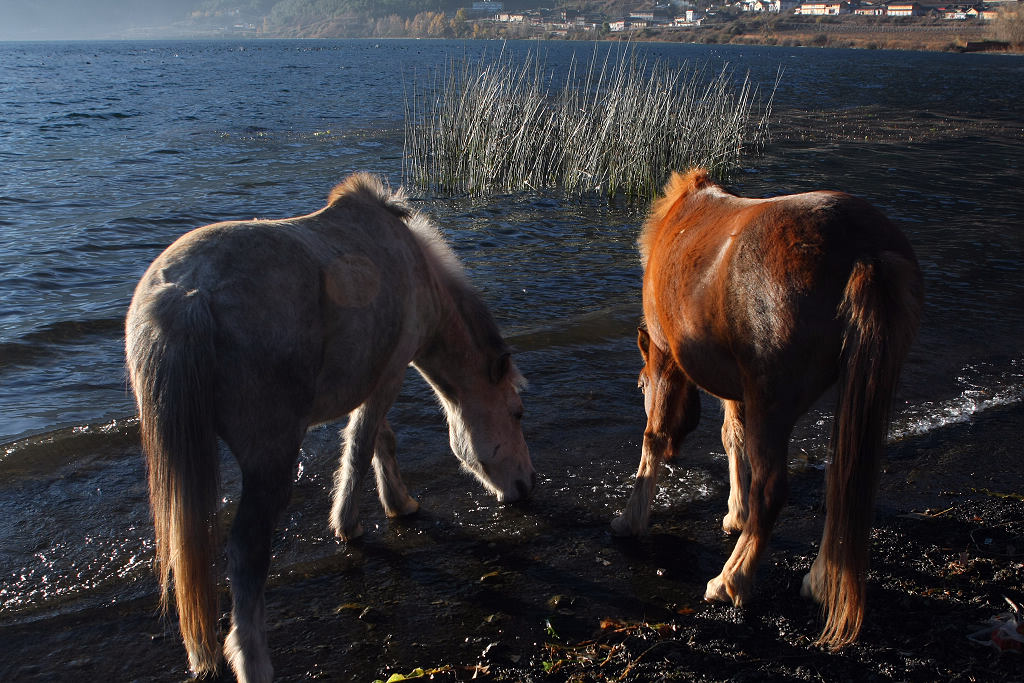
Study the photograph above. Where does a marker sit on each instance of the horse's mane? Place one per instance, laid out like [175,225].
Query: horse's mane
[467,300]
[678,186]
[371,188]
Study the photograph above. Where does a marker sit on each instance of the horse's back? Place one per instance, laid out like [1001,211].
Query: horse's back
[255,276]
[306,312]
[743,288]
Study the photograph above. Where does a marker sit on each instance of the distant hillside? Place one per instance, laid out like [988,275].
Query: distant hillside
[91,19]
[86,19]
[448,18]
[327,18]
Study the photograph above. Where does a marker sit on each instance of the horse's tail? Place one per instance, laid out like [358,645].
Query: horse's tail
[170,360]
[880,310]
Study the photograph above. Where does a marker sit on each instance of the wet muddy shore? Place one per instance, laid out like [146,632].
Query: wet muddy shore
[559,599]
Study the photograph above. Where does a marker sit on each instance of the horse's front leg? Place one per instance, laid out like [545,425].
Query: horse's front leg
[672,403]
[361,440]
[390,488]
[634,519]
[739,472]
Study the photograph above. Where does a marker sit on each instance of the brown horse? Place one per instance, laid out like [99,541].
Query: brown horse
[252,331]
[765,303]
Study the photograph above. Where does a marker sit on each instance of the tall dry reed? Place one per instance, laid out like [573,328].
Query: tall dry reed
[617,126]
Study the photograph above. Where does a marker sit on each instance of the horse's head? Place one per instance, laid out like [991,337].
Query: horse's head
[469,366]
[488,437]
[481,399]
[669,398]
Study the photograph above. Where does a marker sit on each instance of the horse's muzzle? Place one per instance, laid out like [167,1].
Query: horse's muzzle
[523,489]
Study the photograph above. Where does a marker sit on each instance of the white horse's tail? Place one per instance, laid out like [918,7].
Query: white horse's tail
[170,360]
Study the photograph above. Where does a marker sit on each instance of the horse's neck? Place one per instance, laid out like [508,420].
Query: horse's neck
[464,332]
[444,354]
[453,330]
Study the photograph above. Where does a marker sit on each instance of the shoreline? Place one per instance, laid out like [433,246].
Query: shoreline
[764,29]
[569,602]
[756,31]
[850,36]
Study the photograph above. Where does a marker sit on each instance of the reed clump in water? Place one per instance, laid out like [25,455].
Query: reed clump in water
[618,127]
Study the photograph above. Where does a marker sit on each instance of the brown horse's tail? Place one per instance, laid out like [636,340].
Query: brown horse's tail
[170,362]
[881,309]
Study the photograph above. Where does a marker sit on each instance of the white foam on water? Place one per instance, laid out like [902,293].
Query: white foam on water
[982,391]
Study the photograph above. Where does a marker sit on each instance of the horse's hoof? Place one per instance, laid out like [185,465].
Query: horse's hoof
[622,528]
[351,534]
[718,591]
[805,587]
[732,524]
[248,657]
[409,507]
[808,589]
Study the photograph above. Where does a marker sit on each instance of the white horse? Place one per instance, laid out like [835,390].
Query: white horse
[253,331]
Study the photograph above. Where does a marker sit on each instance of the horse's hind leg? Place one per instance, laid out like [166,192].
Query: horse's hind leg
[390,488]
[739,472]
[766,446]
[361,440]
[266,488]
[813,584]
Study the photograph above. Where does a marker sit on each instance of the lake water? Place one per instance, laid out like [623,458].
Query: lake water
[110,151]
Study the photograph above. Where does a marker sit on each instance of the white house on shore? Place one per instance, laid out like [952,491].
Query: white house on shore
[691,18]
[870,9]
[904,9]
[823,8]
[776,6]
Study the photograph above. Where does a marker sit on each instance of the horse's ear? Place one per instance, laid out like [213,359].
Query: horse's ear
[500,367]
[643,340]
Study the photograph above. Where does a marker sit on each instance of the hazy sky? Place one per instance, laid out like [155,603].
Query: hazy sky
[83,19]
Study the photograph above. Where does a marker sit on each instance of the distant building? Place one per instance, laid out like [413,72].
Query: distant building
[823,8]
[630,24]
[689,19]
[870,9]
[776,6]
[955,12]
[904,9]
[651,17]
